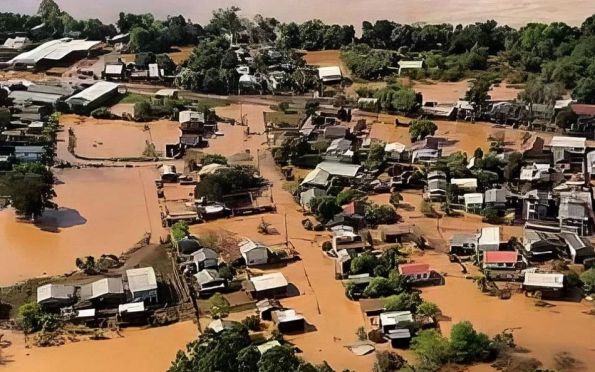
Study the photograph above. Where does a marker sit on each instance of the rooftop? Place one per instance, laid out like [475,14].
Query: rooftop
[268,281]
[94,92]
[489,235]
[54,50]
[414,268]
[563,141]
[500,257]
[551,280]
[395,317]
[54,291]
[142,279]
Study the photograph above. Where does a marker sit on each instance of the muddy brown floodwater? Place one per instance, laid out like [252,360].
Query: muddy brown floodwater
[111,202]
[101,210]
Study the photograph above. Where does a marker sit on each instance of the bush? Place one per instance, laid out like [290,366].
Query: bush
[327,246]
[180,230]
[219,306]
[102,113]
[387,361]
[364,263]
[252,322]
[427,209]
[421,128]
[490,215]
[348,195]
[30,317]
[588,279]
[428,309]
[402,302]
[380,215]
[214,159]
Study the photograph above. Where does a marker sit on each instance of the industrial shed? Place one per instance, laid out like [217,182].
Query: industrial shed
[54,51]
[93,97]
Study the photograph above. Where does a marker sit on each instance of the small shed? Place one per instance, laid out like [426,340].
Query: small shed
[205,258]
[254,253]
[489,239]
[415,271]
[271,285]
[209,281]
[142,284]
[106,290]
[288,320]
[394,320]
[330,74]
[55,295]
[263,348]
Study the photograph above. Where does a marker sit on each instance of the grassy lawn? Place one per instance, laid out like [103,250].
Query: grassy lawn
[277,117]
[135,98]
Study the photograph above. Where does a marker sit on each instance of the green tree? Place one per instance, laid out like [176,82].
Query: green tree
[406,101]
[387,361]
[30,316]
[226,181]
[431,348]
[402,302]
[219,306]
[584,91]
[278,359]
[380,214]
[248,359]
[324,207]
[421,128]
[468,345]
[364,263]
[30,188]
[478,92]
[348,195]
[426,308]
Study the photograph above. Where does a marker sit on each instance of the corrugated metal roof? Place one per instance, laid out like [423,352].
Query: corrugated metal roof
[54,50]
[142,279]
[395,317]
[564,141]
[330,73]
[500,257]
[54,291]
[94,92]
[551,280]
[340,169]
[268,281]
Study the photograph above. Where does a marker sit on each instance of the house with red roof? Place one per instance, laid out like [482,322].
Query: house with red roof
[501,260]
[420,273]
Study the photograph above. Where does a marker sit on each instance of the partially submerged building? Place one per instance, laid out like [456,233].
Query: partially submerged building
[93,97]
[142,284]
[271,285]
[254,253]
[54,296]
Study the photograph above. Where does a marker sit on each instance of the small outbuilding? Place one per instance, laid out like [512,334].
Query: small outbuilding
[142,284]
[55,295]
[271,285]
[254,253]
[288,320]
[209,281]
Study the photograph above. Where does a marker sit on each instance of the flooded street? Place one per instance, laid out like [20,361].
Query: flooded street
[106,210]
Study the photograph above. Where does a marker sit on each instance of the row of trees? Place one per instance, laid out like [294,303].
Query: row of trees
[232,350]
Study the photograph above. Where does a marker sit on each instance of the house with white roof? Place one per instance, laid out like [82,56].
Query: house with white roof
[254,253]
[330,74]
[142,284]
[93,97]
[473,202]
[489,239]
[270,285]
[55,295]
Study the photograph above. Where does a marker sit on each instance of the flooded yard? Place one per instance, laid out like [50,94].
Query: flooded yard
[102,210]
